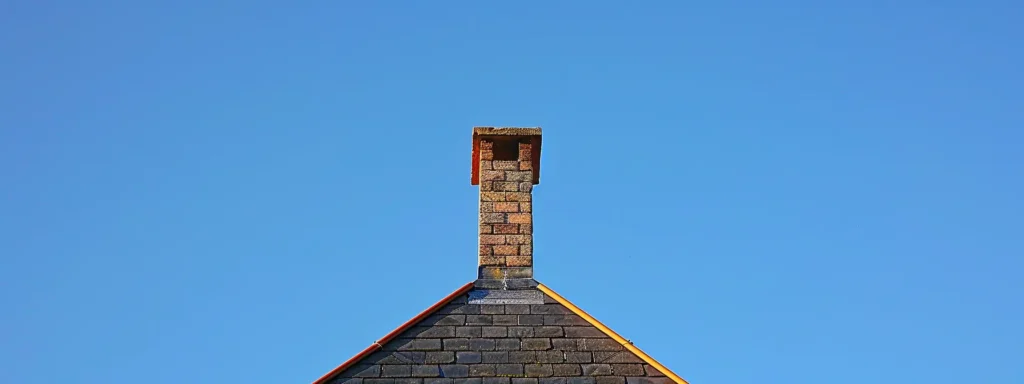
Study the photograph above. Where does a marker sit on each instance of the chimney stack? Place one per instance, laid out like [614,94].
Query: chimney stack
[506,166]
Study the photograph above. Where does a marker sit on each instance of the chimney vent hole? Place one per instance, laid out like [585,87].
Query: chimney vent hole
[506,150]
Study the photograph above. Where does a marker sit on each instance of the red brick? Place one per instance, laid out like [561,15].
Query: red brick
[516,196]
[486,250]
[506,165]
[519,239]
[486,186]
[525,186]
[486,155]
[518,176]
[493,218]
[506,228]
[487,206]
[492,239]
[493,196]
[525,166]
[526,229]
[526,250]
[487,145]
[525,206]
[520,218]
[492,175]
[492,260]
[507,186]
[487,228]
[506,250]
[505,207]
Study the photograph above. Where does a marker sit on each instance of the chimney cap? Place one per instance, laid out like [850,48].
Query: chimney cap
[506,131]
[531,133]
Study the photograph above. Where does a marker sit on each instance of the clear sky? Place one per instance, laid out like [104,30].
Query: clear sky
[254,191]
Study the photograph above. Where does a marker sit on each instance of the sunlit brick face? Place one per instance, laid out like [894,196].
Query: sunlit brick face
[506,207]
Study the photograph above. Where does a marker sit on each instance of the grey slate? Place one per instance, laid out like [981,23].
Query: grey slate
[475,341]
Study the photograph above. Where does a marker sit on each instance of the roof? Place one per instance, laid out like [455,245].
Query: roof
[454,305]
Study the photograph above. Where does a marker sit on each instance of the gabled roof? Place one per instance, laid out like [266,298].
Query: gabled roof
[451,306]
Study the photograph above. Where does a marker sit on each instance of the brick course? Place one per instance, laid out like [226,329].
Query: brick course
[506,344]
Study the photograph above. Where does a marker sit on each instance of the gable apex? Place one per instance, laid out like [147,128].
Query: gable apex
[457,339]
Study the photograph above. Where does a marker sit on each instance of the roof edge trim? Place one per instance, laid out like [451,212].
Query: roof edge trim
[379,344]
[615,336]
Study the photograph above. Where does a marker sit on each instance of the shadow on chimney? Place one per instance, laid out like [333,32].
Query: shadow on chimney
[507,150]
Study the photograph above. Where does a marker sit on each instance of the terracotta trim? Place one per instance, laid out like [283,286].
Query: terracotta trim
[535,152]
[379,344]
[475,178]
[615,336]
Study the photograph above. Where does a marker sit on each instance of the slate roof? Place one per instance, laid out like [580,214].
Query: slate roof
[457,342]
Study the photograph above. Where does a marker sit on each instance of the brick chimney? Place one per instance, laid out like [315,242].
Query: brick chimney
[506,165]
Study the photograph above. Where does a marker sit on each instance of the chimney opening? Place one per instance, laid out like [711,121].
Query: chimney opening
[506,149]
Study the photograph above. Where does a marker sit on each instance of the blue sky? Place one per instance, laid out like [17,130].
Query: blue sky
[787,192]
